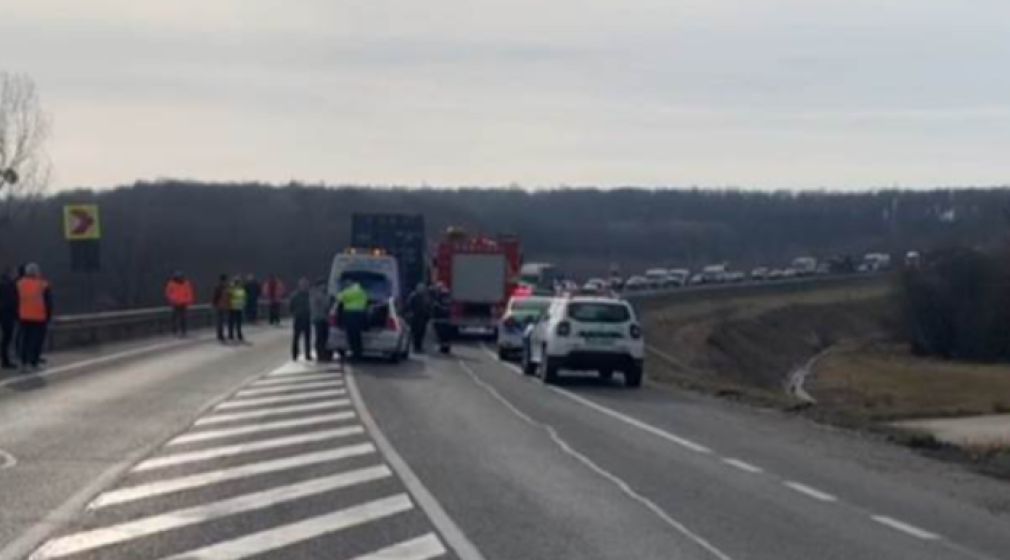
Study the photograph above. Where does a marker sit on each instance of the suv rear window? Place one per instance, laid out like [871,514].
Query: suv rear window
[593,312]
[377,285]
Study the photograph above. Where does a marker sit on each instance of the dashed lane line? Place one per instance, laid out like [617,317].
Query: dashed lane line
[7,460]
[809,491]
[162,487]
[742,465]
[306,396]
[288,388]
[206,435]
[96,538]
[905,528]
[277,411]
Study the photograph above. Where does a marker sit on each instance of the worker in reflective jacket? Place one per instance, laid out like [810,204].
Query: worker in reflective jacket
[354,308]
[236,307]
[35,310]
[180,296]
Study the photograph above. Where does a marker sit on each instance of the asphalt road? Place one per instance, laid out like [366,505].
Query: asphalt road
[202,451]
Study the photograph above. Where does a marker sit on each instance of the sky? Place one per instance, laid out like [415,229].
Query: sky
[838,94]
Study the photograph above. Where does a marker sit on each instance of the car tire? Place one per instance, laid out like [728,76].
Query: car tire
[633,377]
[549,368]
[529,368]
[503,354]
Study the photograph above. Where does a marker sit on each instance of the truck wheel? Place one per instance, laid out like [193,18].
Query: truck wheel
[633,377]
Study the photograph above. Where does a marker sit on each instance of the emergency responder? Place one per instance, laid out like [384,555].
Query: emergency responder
[301,319]
[8,317]
[320,304]
[221,302]
[180,296]
[236,307]
[252,294]
[419,313]
[35,310]
[440,317]
[274,291]
[354,305]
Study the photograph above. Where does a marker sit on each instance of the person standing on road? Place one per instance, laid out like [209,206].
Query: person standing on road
[419,311]
[252,292]
[354,302]
[8,317]
[236,307]
[301,319]
[221,302]
[320,304]
[273,289]
[35,310]
[180,296]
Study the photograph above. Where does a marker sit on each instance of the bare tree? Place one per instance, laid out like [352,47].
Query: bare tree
[24,129]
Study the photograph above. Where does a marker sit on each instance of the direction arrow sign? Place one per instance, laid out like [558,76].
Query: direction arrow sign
[80,222]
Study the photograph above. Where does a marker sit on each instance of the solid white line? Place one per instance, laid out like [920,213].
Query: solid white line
[230,450]
[906,528]
[451,532]
[245,403]
[161,487]
[295,381]
[683,442]
[742,465]
[810,491]
[96,538]
[289,388]
[421,548]
[286,535]
[279,411]
[614,479]
[265,427]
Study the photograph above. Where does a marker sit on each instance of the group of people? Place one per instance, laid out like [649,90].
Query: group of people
[235,300]
[26,309]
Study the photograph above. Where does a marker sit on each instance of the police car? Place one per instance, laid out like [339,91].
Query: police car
[386,333]
[599,334]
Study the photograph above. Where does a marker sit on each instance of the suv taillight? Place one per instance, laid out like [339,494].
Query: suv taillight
[564,328]
[636,331]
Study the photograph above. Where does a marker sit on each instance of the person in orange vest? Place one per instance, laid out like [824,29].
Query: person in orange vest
[35,310]
[273,290]
[180,296]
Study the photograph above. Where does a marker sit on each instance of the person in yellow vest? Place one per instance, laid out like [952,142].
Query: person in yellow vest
[353,302]
[179,293]
[236,307]
[35,310]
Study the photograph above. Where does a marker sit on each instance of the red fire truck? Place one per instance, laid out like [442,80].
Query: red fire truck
[480,273]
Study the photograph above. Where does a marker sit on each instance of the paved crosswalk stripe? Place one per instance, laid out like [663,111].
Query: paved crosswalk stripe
[206,435]
[246,403]
[161,487]
[286,535]
[421,548]
[277,411]
[295,381]
[289,388]
[229,450]
[96,538]
[294,369]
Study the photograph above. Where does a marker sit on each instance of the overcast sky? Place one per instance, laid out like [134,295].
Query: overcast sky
[761,93]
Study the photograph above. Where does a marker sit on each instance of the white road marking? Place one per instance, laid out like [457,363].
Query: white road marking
[96,538]
[286,535]
[614,479]
[421,548]
[906,528]
[289,388]
[230,450]
[810,491]
[161,487]
[296,381]
[451,532]
[262,427]
[7,460]
[279,411]
[246,403]
[292,368]
[742,465]
[683,442]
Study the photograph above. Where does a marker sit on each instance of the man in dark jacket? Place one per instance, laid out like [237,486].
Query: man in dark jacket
[221,301]
[8,317]
[252,301]
[419,312]
[301,317]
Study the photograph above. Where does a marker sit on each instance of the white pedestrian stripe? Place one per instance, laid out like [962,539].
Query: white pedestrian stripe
[286,535]
[293,368]
[276,411]
[906,528]
[230,450]
[206,435]
[161,487]
[246,403]
[289,388]
[97,538]
[421,548]
[295,381]
[810,491]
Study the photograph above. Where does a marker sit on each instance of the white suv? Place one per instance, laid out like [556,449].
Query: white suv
[586,333]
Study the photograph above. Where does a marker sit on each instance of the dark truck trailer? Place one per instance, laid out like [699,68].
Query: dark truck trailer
[400,235]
